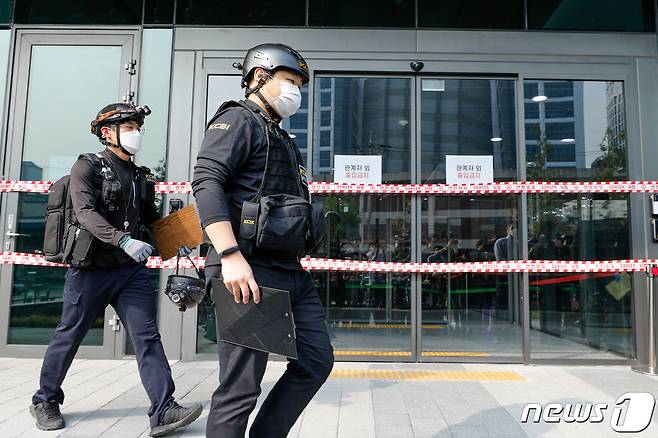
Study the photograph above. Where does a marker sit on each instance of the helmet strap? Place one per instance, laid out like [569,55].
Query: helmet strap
[116,133]
[256,90]
[259,85]
[270,109]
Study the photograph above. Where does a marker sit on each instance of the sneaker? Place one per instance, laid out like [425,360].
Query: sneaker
[176,417]
[47,415]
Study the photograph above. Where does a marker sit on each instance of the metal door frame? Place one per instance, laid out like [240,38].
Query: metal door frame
[537,55]
[417,249]
[23,40]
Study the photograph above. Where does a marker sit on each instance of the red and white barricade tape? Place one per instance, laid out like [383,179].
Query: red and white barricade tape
[492,188]
[429,189]
[321,264]
[436,189]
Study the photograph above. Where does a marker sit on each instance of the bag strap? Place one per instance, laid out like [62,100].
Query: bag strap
[98,162]
[263,126]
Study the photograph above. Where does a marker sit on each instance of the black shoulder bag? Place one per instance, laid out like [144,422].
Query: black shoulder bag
[281,225]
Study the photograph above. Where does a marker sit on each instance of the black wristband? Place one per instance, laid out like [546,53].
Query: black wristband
[228,251]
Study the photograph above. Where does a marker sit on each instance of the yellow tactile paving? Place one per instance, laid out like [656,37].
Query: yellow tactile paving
[371,353]
[455,353]
[424,375]
[408,353]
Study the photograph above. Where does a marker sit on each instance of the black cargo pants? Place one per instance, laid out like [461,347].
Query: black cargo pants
[241,369]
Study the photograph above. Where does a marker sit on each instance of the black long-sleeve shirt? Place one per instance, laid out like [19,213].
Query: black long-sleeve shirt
[229,170]
[108,226]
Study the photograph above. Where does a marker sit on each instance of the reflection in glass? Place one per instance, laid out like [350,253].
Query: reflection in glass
[159,11]
[586,315]
[206,336]
[577,132]
[466,314]
[36,300]
[467,117]
[364,13]
[5,41]
[77,12]
[6,11]
[47,156]
[37,291]
[367,311]
[210,12]
[501,14]
[297,125]
[363,116]
[627,15]
[154,80]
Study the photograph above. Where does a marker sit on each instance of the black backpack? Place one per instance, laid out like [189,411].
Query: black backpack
[59,214]
[62,229]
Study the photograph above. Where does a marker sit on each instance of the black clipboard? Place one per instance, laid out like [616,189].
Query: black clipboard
[266,326]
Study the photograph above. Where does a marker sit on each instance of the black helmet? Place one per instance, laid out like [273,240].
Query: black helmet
[185,291]
[270,57]
[116,113]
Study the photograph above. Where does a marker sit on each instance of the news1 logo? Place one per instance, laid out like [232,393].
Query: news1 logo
[632,412]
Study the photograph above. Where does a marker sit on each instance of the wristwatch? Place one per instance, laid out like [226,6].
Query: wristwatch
[227,251]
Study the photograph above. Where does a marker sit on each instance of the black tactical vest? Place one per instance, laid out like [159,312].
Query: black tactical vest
[284,169]
[279,221]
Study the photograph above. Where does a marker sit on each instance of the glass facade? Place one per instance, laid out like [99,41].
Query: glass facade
[367,103]
[610,15]
[471,14]
[37,291]
[6,11]
[467,314]
[575,131]
[259,12]
[77,12]
[363,116]
[467,117]
[363,13]
[582,15]
[159,12]
[367,311]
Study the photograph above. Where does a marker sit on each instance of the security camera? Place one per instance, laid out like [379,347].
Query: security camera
[417,65]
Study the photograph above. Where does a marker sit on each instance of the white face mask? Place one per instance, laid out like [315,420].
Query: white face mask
[131,141]
[288,102]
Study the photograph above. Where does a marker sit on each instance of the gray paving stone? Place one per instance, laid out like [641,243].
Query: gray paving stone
[105,398]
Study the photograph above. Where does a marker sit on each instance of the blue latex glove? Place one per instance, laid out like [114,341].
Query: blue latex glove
[136,249]
[184,251]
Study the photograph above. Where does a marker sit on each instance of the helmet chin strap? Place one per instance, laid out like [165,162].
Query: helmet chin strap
[256,90]
[116,134]
[270,109]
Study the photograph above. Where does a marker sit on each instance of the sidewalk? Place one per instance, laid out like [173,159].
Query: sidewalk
[360,400]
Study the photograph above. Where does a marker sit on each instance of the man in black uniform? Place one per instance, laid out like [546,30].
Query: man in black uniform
[111,198]
[229,171]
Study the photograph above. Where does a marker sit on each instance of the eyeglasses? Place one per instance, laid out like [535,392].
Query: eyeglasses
[141,130]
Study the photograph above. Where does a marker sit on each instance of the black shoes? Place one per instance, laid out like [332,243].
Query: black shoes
[47,415]
[176,417]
